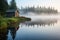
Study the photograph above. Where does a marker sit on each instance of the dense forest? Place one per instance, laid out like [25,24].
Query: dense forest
[39,10]
[5,6]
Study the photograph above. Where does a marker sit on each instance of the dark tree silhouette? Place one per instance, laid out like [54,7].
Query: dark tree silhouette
[3,6]
[13,5]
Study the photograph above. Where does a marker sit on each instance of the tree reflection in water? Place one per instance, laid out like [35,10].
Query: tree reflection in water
[41,23]
[13,31]
[4,32]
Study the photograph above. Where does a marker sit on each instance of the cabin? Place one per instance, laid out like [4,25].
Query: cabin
[12,13]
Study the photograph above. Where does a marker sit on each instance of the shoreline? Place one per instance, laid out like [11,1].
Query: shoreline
[5,22]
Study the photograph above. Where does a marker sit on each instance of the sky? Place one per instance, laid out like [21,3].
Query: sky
[42,3]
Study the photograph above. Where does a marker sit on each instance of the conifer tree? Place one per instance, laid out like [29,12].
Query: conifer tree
[13,5]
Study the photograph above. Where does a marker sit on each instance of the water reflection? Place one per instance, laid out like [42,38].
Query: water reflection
[31,29]
[13,31]
[49,22]
[4,32]
[38,31]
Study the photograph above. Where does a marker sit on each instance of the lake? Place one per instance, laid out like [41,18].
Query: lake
[41,27]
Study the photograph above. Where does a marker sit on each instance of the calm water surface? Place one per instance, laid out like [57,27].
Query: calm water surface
[36,29]
[33,30]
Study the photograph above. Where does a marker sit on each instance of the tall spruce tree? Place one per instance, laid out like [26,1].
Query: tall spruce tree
[13,5]
[3,6]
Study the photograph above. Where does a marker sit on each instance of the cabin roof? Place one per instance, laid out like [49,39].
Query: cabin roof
[12,10]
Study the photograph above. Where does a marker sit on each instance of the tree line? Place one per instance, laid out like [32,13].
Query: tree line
[39,9]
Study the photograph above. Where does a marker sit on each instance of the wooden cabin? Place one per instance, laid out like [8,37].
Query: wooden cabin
[12,13]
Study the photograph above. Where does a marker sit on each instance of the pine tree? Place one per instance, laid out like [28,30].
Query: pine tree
[13,5]
[3,6]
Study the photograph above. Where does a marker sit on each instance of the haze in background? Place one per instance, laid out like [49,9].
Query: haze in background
[46,3]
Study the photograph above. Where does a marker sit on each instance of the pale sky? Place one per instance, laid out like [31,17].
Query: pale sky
[46,3]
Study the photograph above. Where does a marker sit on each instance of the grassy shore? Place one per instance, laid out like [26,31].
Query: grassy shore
[14,21]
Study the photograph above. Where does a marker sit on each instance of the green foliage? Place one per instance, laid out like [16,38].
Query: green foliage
[5,22]
[3,6]
[13,19]
[13,5]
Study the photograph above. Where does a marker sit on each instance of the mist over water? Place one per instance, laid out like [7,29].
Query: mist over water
[41,26]
[35,16]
